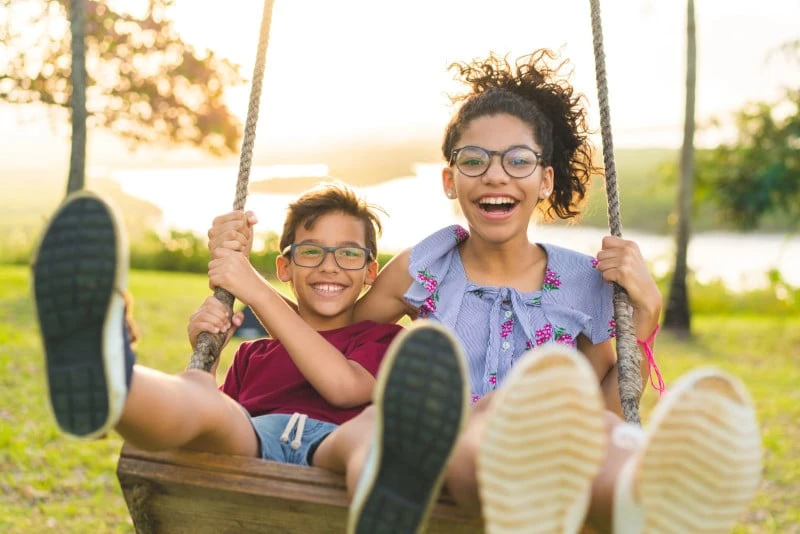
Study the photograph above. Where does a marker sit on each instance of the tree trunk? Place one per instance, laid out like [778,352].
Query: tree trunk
[77,160]
[678,317]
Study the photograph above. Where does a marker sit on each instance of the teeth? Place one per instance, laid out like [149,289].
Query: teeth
[328,288]
[497,200]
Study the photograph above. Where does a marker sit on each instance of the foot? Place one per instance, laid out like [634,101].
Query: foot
[79,275]
[700,463]
[543,444]
[421,405]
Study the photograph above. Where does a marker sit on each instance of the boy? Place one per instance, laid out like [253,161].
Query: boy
[281,397]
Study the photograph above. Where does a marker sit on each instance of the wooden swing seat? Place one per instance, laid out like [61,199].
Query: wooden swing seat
[188,492]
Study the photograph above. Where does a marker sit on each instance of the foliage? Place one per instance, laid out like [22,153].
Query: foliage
[759,174]
[145,83]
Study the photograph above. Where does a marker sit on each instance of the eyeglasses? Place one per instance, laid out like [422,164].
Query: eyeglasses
[309,255]
[474,161]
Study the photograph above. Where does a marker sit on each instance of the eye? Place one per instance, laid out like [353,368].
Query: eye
[350,253]
[309,251]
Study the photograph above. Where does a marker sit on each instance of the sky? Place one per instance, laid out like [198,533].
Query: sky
[355,68]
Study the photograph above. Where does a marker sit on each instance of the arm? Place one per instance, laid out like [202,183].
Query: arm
[384,302]
[621,261]
[340,381]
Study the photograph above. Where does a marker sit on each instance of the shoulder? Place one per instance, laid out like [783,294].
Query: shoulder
[435,253]
[438,244]
[570,263]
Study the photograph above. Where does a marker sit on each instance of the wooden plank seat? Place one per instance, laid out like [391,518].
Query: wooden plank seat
[180,492]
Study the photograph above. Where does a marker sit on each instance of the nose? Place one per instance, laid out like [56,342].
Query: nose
[329,262]
[495,173]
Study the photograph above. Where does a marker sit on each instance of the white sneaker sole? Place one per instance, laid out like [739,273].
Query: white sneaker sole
[80,268]
[701,462]
[543,445]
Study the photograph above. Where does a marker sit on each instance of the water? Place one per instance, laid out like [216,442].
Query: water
[416,206]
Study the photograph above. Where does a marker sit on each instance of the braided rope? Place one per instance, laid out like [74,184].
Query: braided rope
[77,159]
[209,345]
[628,356]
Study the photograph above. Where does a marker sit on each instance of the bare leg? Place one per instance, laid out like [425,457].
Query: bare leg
[186,410]
[345,449]
[461,479]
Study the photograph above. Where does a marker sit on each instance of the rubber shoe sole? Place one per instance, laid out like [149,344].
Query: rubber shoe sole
[421,402]
[79,273]
[702,458]
[543,445]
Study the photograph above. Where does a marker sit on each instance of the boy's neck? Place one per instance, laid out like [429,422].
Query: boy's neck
[322,324]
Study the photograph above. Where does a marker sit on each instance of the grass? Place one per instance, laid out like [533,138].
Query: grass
[49,482]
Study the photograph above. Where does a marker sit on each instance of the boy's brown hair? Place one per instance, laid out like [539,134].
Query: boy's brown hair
[331,198]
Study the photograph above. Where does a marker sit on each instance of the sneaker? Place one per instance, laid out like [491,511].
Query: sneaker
[544,442]
[700,463]
[79,276]
[421,402]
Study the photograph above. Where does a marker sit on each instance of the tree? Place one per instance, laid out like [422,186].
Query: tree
[677,317]
[144,82]
[759,174]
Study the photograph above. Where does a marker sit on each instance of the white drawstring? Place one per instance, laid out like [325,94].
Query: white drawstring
[300,420]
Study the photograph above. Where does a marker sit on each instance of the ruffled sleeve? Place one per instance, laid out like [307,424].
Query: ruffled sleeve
[439,278]
[574,292]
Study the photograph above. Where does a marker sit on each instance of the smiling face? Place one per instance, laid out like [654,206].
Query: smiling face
[498,207]
[327,293]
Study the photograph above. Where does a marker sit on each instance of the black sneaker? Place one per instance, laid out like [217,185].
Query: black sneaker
[421,402]
[79,275]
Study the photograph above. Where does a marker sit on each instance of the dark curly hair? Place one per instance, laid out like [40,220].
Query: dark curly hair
[536,93]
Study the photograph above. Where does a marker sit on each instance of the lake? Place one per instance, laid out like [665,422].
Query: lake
[416,207]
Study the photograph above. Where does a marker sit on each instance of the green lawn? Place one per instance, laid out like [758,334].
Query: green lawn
[49,482]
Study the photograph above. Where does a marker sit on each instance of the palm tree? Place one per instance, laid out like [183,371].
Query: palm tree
[77,160]
[677,317]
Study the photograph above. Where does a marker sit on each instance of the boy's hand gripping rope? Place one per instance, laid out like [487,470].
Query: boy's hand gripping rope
[209,346]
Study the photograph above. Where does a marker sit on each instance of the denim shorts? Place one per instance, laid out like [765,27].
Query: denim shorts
[288,438]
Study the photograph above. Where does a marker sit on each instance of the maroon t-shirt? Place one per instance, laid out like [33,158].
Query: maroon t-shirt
[264,379]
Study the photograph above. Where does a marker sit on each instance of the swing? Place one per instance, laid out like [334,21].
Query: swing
[195,492]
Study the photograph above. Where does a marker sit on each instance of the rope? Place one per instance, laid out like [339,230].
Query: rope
[628,356]
[77,159]
[209,345]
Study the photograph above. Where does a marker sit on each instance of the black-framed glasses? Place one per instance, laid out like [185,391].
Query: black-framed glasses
[474,161]
[349,258]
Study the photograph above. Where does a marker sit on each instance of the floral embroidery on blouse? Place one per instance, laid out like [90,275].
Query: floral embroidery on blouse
[529,344]
[595,261]
[430,284]
[475,398]
[506,328]
[461,234]
[536,301]
[612,328]
[561,336]
[547,333]
[493,380]
[551,280]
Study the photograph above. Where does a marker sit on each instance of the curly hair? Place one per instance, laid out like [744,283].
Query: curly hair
[536,93]
[331,198]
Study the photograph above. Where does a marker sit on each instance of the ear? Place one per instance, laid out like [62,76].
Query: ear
[371,273]
[448,183]
[546,185]
[283,268]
